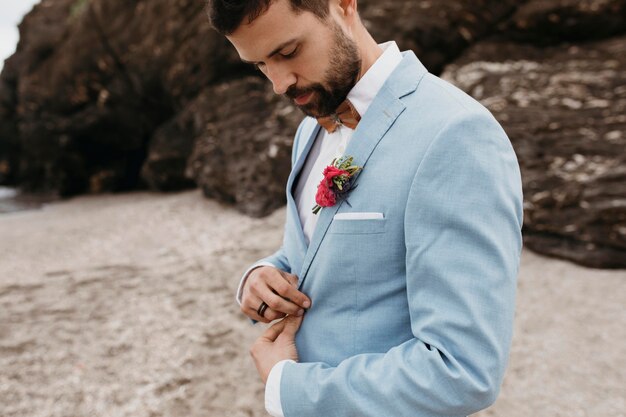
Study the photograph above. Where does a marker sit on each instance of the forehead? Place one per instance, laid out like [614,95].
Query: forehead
[280,23]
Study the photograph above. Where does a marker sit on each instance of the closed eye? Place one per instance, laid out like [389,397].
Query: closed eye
[261,65]
[290,54]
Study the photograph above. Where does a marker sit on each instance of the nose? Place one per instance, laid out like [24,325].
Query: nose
[281,77]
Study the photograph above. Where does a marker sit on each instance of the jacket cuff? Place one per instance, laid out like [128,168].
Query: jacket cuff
[272,390]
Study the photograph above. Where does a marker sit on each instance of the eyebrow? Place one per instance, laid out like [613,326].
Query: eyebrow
[274,52]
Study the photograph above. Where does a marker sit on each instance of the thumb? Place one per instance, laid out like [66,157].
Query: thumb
[274,331]
[292,324]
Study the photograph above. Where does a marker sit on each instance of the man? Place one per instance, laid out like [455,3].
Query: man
[399,297]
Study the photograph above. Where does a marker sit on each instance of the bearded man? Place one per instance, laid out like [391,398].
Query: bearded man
[396,278]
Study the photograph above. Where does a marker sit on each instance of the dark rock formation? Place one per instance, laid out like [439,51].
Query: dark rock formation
[438,31]
[243,159]
[87,106]
[545,22]
[564,109]
[106,95]
[40,33]
[100,93]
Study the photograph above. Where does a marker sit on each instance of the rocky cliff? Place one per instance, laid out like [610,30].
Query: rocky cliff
[117,95]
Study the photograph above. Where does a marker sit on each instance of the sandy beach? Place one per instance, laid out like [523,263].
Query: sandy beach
[123,305]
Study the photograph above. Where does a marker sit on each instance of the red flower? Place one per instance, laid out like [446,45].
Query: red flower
[325,197]
[337,182]
[331,172]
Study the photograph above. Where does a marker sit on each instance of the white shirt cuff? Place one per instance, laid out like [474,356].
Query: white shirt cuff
[272,389]
[245,277]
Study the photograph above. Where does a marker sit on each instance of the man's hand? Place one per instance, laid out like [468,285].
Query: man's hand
[277,289]
[276,344]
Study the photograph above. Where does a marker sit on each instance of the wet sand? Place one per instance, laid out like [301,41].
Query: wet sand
[123,305]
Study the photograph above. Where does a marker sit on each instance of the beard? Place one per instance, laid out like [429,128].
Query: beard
[345,64]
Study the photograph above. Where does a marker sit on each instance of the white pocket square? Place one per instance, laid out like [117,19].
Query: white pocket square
[358,216]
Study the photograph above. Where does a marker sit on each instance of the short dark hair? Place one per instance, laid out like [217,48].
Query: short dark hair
[227,15]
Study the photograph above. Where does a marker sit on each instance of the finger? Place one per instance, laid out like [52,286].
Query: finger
[261,289]
[279,282]
[272,315]
[277,306]
[250,307]
[292,324]
[274,331]
[291,278]
[277,303]
[273,286]
[285,289]
[255,316]
[269,315]
[265,292]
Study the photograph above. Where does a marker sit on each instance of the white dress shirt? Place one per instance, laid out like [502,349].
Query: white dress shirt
[327,146]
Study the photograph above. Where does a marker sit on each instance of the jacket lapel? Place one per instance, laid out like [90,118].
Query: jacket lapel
[380,116]
[296,226]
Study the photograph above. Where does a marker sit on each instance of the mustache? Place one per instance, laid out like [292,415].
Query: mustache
[293,91]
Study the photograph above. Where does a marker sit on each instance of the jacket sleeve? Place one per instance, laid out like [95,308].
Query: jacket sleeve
[278,259]
[463,241]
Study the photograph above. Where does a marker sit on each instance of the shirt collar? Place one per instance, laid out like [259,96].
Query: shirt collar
[366,89]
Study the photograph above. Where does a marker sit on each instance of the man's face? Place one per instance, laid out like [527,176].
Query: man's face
[314,63]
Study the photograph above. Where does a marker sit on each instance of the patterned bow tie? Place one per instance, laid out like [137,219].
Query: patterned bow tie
[345,115]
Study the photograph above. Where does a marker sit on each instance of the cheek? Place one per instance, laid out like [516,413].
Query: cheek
[313,65]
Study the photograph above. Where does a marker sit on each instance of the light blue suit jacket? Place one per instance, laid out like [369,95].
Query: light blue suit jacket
[412,314]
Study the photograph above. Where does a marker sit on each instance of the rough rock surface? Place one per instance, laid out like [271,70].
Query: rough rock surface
[564,109]
[97,95]
[553,21]
[438,31]
[40,33]
[87,107]
[244,158]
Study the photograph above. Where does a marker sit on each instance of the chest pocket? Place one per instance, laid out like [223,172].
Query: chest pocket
[357,226]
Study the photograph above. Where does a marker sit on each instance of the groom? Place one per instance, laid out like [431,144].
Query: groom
[398,296]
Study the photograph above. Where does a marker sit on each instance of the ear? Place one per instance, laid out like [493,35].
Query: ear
[346,10]
[349,7]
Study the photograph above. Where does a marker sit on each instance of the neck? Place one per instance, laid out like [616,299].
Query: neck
[369,49]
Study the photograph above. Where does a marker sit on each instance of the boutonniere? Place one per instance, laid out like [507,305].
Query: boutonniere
[337,182]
